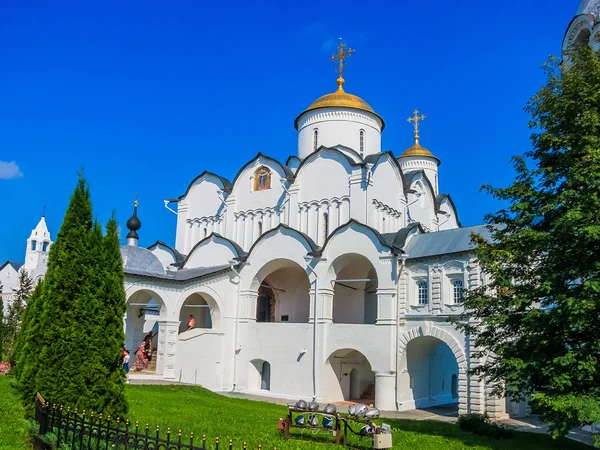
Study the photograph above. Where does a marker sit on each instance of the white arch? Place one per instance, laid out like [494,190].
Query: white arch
[211,297]
[437,333]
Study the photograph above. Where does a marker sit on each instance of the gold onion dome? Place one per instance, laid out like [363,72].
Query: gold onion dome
[341,99]
[416,150]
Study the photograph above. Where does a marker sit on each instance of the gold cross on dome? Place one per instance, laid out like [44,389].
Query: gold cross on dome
[341,57]
[415,119]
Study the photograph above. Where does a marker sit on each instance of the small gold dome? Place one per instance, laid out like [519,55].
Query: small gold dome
[417,150]
[340,99]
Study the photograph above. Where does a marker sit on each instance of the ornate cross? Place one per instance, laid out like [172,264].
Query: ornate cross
[415,119]
[341,57]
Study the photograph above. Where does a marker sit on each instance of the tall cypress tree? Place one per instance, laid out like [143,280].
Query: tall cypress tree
[80,327]
[57,372]
[29,315]
[15,313]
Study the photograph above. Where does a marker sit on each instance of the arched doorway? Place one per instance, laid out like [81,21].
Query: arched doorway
[428,374]
[283,293]
[354,290]
[259,378]
[144,309]
[202,308]
[348,377]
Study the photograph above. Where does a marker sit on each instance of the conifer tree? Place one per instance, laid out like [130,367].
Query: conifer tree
[538,318]
[30,314]
[80,319]
[15,312]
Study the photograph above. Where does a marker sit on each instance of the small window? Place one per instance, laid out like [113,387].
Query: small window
[45,247]
[285,318]
[260,228]
[325,226]
[33,245]
[423,293]
[383,225]
[458,287]
[315,139]
[362,142]
[262,179]
[205,232]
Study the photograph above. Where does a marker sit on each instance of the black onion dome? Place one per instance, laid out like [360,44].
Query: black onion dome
[134,223]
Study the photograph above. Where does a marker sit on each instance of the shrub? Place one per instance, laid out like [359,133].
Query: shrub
[480,424]
[4,367]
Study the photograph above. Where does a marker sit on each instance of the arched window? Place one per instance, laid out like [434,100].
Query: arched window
[45,247]
[383,225]
[362,142]
[33,245]
[315,139]
[260,228]
[205,231]
[423,293]
[262,179]
[458,287]
[325,226]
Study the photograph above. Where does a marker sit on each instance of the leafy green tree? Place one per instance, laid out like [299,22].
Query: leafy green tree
[15,312]
[538,319]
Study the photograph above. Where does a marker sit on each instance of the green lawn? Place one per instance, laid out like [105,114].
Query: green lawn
[14,434]
[193,409]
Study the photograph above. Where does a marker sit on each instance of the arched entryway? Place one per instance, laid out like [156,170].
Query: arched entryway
[283,293]
[348,376]
[259,378]
[354,289]
[202,309]
[428,374]
[144,308]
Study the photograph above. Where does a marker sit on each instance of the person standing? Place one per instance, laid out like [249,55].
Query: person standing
[126,359]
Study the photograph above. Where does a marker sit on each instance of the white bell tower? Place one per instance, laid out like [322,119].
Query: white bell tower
[38,247]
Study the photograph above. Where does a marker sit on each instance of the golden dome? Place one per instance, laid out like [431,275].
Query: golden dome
[340,99]
[417,150]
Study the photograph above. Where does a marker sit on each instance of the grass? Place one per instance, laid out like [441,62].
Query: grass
[193,409]
[14,430]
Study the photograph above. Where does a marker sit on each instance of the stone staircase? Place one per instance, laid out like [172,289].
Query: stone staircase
[368,396]
[152,364]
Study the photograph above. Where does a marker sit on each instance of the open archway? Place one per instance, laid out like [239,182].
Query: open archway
[144,308]
[202,309]
[354,289]
[428,374]
[283,293]
[348,376]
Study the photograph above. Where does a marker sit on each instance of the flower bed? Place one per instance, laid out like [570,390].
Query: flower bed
[4,367]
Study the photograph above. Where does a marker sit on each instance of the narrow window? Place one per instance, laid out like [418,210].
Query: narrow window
[45,247]
[205,232]
[423,294]
[260,228]
[315,139]
[265,376]
[325,226]
[33,245]
[458,290]
[362,142]
[383,225]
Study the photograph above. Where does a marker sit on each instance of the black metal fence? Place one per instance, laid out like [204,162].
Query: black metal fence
[83,431]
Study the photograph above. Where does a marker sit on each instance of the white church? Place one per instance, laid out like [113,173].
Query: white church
[329,276]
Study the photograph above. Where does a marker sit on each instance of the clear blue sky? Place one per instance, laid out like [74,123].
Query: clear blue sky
[146,95]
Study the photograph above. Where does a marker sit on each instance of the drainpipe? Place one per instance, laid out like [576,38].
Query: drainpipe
[232,264]
[402,259]
[314,349]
